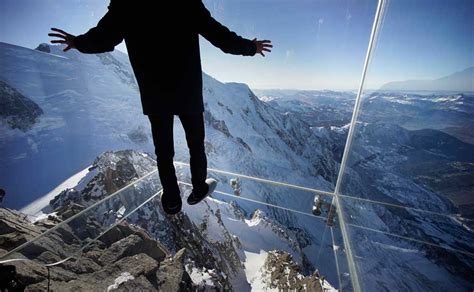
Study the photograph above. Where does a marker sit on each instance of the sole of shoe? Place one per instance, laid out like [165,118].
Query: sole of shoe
[212,183]
[170,210]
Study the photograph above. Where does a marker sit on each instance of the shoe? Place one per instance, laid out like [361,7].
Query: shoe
[171,205]
[195,198]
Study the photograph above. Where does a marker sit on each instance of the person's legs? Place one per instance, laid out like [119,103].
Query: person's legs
[193,125]
[162,132]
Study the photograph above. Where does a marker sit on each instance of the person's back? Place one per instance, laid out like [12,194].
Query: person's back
[163,46]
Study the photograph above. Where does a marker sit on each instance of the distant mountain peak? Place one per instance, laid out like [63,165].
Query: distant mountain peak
[462,81]
[43,47]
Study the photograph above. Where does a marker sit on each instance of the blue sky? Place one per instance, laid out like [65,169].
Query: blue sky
[318,44]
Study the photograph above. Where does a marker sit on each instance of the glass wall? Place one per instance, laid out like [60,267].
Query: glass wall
[103,240]
[344,157]
[275,123]
[406,189]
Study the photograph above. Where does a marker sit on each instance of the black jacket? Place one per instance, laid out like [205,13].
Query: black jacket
[163,47]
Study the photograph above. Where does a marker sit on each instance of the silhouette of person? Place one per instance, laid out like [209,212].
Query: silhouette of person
[162,40]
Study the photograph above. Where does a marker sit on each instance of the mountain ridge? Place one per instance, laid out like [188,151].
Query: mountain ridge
[462,81]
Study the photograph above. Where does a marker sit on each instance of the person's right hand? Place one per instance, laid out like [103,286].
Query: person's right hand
[65,38]
[263,46]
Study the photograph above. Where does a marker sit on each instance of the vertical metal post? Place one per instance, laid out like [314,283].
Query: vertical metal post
[345,237]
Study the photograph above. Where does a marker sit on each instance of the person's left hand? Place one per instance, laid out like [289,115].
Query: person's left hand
[65,38]
[263,46]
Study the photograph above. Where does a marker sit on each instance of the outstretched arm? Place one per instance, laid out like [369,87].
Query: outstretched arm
[103,38]
[228,41]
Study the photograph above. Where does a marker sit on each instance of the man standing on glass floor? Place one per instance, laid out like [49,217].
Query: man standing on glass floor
[162,40]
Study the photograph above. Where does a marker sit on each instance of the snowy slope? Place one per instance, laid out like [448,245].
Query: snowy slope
[217,234]
[85,99]
[91,106]
[382,169]
[38,206]
[415,169]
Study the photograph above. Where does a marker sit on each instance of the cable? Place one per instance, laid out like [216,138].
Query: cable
[262,203]
[312,190]
[49,277]
[272,182]
[332,233]
[13,260]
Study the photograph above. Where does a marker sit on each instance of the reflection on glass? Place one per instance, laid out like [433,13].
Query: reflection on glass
[396,216]
[115,232]
[79,228]
[407,186]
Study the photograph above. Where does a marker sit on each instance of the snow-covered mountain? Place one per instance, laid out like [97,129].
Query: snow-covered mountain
[458,81]
[391,164]
[91,105]
[126,258]
[225,249]
[16,110]
[400,156]
[449,112]
[445,112]
[317,108]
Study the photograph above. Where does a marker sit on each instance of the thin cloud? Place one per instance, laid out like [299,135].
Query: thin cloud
[288,55]
[320,23]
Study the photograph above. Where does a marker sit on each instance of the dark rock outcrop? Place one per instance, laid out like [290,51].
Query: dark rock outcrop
[126,259]
[17,110]
[115,169]
[129,246]
[43,47]
[15,229]
[284,274]
[172,276]
[219,125]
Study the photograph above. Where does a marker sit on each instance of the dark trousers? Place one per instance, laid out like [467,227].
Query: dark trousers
[162,131]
